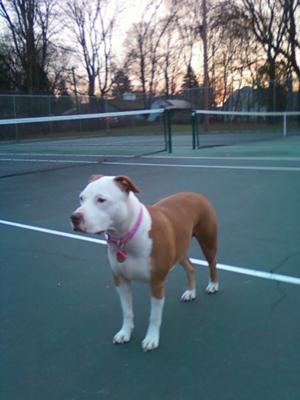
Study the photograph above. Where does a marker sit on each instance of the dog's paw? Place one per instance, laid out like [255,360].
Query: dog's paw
[212,287]
[122,337]
[151,341]
[189,295]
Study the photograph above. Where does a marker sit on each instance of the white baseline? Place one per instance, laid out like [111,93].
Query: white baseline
[244,271]
[42,160]
[237,167]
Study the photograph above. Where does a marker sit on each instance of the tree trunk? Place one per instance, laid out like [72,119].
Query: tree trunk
[272,82]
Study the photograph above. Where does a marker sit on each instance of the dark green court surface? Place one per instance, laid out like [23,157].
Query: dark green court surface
[59,309]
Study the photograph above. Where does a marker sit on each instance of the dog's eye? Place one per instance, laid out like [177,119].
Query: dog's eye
[100,200]
[81,199]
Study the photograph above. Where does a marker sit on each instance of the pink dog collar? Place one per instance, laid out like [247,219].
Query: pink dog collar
[122,241]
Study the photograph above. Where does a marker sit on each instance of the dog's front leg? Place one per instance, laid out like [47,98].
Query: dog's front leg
[124,289]
[151,340]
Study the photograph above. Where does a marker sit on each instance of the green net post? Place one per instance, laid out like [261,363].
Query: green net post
[169,129]
[194,133]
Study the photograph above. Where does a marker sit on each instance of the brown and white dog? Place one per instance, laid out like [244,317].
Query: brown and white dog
[146,242]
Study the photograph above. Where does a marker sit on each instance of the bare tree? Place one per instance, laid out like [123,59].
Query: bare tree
[107,67]
[30,25]
[171,61]
[233,51]
[144,48]
[291,48]
[189,23]
[265,20]
[82,23]
[92,28]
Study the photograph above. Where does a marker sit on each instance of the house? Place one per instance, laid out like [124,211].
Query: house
[170,103]
[128,96]
[245,99]
[174,104]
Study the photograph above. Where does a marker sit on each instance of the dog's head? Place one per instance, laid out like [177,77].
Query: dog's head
[103,203]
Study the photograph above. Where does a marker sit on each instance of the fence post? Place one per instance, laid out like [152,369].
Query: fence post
[49,114]
[15,116]
[169,129]
[284,125]
[164,120]
[79,111]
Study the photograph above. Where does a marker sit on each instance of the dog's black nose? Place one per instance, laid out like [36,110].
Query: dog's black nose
[76,219]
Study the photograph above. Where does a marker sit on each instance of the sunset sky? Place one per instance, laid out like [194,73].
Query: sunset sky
[133,11]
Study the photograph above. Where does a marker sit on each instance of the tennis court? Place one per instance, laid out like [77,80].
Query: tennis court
[58,304]
[145,132]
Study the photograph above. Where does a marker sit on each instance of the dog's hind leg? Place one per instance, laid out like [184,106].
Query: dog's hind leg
[190,293]
[213,284]
[208,243]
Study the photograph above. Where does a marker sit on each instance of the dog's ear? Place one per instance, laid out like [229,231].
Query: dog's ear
[94,178]
[126,184]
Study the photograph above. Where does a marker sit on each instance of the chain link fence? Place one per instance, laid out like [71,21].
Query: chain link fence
[273,98]
[246,99]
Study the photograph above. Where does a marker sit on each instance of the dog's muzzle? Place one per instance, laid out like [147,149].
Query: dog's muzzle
[76,219]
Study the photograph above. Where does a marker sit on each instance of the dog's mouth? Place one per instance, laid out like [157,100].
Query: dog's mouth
[77,229]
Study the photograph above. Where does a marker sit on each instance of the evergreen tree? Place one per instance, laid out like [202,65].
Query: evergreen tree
[121,83]
[189,80]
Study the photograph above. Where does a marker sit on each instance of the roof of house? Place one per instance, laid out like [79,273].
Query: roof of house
[179,103]
[173,103]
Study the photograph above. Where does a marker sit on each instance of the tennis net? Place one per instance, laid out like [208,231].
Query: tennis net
[115,133]
[221,128]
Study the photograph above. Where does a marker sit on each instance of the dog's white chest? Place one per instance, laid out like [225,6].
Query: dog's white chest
[137,264]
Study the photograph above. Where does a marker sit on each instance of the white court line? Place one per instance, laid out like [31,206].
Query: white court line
[54,161]
[251,168]
[244,271]
[224,158]
[231,158]
[174,157]
[7,154]
[48,161]
[52,232]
